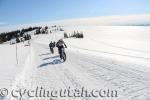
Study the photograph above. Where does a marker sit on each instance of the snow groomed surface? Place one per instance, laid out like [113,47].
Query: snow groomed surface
[110,58]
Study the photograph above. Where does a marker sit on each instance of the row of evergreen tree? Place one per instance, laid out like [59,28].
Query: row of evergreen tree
[24,38]
[44,30]
[75,34]
[7,36]
[41,30]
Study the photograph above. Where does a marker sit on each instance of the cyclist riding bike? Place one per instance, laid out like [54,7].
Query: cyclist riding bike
[61,45]
[51,46]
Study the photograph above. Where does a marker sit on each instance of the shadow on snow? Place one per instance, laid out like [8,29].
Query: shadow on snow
[55,60]
[54,57]
[44,54]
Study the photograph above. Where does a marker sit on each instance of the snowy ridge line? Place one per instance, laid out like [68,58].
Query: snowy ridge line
[129,49]
[100,51]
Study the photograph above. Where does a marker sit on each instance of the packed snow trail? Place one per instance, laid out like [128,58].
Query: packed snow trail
[82,70]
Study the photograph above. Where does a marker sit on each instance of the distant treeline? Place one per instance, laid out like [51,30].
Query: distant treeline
[7,36]
[45,30]
[75,34]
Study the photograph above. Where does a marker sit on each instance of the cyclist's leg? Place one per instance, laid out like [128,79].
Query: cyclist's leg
[52,50]
[60,52]
[63,54]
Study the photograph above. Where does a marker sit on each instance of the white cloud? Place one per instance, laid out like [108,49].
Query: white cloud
[140,19]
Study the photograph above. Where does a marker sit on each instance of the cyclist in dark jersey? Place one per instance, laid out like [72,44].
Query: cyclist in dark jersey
[61,45]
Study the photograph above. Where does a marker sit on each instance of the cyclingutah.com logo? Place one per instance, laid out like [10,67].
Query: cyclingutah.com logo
[3,92]
[40,92]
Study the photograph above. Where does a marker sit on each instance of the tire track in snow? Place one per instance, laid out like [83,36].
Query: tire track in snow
[64,76]
[112,53]
[114,46]
[130,82]
[126,80]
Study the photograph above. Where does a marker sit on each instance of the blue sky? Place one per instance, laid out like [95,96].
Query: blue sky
[14,12]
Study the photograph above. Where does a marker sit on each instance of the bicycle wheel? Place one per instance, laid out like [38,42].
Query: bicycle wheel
[64,56]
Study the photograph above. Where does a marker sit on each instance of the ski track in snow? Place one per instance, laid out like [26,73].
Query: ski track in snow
[46,70]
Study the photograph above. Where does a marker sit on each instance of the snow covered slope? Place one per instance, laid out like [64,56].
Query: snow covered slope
[108,57]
